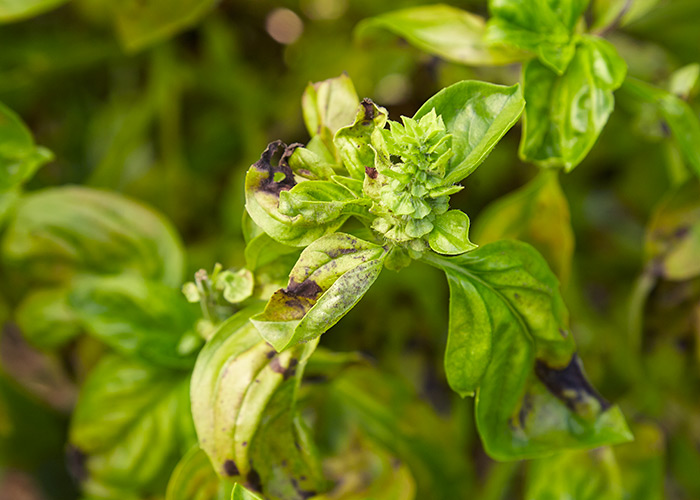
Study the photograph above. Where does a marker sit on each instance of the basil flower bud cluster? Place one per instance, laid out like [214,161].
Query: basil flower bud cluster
[412,160]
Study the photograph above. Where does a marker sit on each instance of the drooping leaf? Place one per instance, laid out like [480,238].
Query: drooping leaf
[16,10]
[47,319]
[330,277]
[538,214]
[20,158]
[543,27]
[131,423]
[448,32]
[509,341]
[136,317]
[143,23]
[195,479]
[60,231]
[264,185]
[477,114]
[353,141]
[565,114]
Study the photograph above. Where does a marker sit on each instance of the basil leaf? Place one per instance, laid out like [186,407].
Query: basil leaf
[450,235]
[131,422]
[240,493]
[354,141]
[564,115]
[321,202]
[136,317]
[330,277]
[16,10]
[263,187]
[240,387]
[141,24]
[448,32]
[47,319]
[538,214]
[544,27]
[327,107]
[477,114]
[60,231]
[20,158]
[680,117]
[195,479]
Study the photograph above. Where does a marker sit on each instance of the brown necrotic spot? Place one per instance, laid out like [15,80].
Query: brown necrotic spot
[230,468]
[371,172]
[279,177]
[307,289]
[368,106]
[569,384]
[253,481]
[291,369]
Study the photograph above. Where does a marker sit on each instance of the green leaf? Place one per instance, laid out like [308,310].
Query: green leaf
[60,231]
[236,377]
[544,27]
[130,421]
[681,118]
[448,32]
[16,10]
[328,106]
[143,23]
[195,479]
[264,185]
[538,214]
[240,493]
[330,277]
[564,115]
[353,142]
[47,319]
[20,158]
[237,286]
[321,202]
[450,236]
[477,114]
[136,317]
[508,322]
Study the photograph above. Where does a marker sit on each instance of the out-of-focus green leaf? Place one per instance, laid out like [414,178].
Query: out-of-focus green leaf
[195,479]
[328,106]
[330,277]
[539,26]
[477,114]
[58,231]
[683,80]
[538,214]
[47,319]
[353,141]
[16,10]
[136,317]
[131,423]
[681,118]
[509,341]
[448,32]
[241,493]
[263,186]
[642,463]
[575,475]
[565,114]
[143,23]
[20,158]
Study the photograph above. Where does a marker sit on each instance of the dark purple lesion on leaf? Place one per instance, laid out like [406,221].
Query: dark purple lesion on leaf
[371,172]
[286,372]
[76,461]
[337,252]
[569,385]
[307,289]
[368,107]
[253,481]
[231,469]
[304,494]
[279,177]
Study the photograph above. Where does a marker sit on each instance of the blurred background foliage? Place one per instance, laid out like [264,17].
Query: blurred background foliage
[170,102]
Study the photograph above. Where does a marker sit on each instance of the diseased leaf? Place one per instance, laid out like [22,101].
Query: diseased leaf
[448,32]
[564,115]
[195,479]
[20,158]
[60,231]
[131,422]
[477,114]
[16,10]
[143,23]
[450,236]
[538,214]
[321,202]
[353,142]
[136,317]
[330,277]
[264,184]
[508,322]
[47,319]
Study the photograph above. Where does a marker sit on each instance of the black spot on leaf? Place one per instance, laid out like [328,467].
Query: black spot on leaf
[253,481]
[230,468]
[368,106]
[75,462]
[307,289]
[569,384]
[279,177]
[371,172]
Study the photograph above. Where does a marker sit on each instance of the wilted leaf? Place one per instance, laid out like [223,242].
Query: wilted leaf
[477,114]
[330,277]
